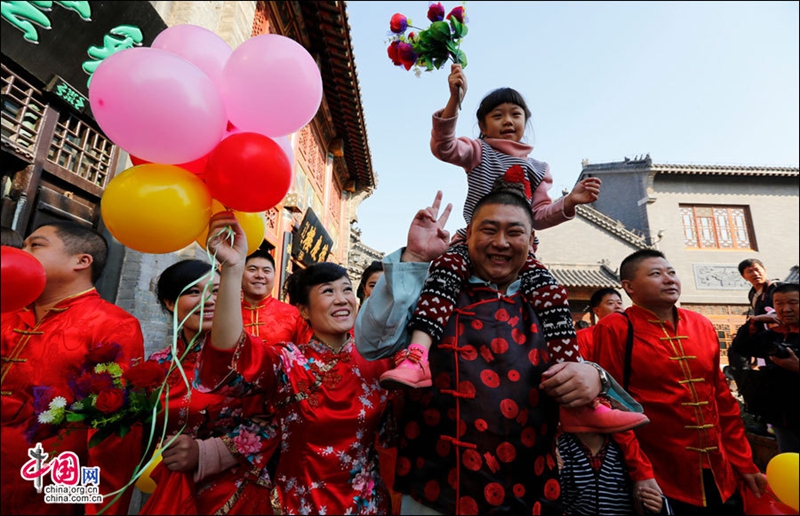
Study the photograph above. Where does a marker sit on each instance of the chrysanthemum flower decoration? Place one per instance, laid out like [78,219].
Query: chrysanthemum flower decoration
[101,395]
[430,48]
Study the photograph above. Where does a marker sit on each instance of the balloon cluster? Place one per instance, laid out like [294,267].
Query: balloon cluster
[201,122]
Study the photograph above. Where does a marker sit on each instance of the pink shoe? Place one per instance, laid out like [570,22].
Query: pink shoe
[599,417]
[411,369]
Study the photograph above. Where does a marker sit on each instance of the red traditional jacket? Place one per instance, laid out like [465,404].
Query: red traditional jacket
[40,354]
[695,423]
[274,321]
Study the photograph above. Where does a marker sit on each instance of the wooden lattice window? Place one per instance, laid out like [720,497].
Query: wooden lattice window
[82,150]
[716,227]
[22,114]
[313,156]
[260,20]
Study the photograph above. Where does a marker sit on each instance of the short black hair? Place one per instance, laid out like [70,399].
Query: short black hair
[175,278]
[81,239]
[371,269]
[749,262]
[785,288]
[260,253]
[10,238]
[506,197]
[299,284]
[598,295]
[627,268]
[579,325]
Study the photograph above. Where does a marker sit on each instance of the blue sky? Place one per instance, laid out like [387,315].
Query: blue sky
[687,82]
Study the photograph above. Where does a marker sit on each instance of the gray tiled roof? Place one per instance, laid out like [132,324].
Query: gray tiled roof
[793,276]
[584,275]
[641,164]
[726,170]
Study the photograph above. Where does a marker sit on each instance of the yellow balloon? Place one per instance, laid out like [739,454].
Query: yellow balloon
[144,483]
[155,208]
[253,225]
[782,477]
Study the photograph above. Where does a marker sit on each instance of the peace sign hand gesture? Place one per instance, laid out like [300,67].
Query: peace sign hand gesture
[427,238]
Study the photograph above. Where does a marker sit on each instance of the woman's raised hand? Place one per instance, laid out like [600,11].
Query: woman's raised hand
[219,241]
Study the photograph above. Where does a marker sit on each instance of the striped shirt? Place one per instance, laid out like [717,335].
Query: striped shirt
[493,165]
[586,491]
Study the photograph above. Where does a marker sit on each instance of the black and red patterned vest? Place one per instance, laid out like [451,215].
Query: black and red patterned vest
[481,439]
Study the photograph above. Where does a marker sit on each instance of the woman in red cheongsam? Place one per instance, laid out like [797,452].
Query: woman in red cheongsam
[218,462]
[326,398]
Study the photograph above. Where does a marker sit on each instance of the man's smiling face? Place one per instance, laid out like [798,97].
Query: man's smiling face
[498,239]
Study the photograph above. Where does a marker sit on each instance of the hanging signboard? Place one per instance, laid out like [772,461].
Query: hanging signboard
[311,243]
[63,43]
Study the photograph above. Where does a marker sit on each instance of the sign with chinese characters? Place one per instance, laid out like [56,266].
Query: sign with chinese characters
[67,93]
[69,40]
[310,242]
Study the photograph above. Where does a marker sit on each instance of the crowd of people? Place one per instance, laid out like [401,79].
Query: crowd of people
[449,381]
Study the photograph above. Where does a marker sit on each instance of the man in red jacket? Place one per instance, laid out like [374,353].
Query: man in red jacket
[41,344]
[695,444]
[264,316]
[605,301]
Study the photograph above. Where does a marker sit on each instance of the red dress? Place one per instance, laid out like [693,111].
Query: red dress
[41,355]
[274,321]
[695,423]
[329,407]
[242,489]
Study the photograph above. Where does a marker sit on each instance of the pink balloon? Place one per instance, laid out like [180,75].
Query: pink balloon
[271,85]
[198,45]
[157,106]
[286,145]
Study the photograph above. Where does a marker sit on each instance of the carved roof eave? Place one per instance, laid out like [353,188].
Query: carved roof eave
[612,226]
[328,31]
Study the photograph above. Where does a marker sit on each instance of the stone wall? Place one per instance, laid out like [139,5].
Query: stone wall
[232,21]
[137,292]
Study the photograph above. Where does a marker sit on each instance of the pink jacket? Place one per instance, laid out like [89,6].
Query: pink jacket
[466,153]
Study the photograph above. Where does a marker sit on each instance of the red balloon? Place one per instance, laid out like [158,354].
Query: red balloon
[248,172]
[23,279]
[767,504]
[196,167]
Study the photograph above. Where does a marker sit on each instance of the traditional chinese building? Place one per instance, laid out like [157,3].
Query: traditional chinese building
[704,218]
